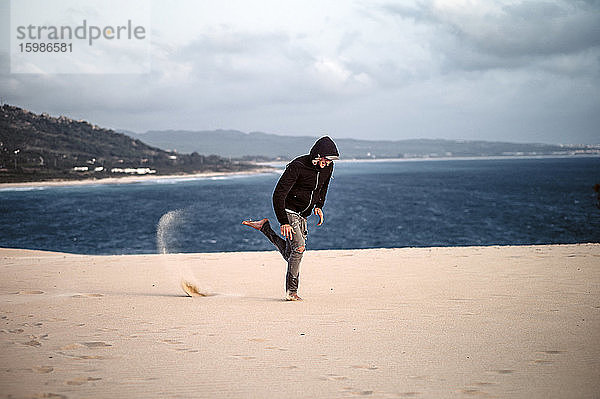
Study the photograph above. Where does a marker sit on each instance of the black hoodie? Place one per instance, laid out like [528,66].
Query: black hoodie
[303,185]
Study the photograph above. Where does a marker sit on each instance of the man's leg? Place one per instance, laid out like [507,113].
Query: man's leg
[265,227]
[291,250]
[297,246]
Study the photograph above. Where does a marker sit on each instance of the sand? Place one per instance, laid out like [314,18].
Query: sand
[504,322]
[129,179]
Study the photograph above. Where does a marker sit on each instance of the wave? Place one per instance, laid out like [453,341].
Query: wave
[27,188]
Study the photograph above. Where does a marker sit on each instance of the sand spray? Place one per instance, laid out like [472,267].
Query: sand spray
[166,236]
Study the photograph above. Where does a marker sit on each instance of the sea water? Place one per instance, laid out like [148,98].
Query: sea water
[369,205]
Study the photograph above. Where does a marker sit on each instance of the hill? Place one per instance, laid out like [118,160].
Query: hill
[41,147]
[233,143]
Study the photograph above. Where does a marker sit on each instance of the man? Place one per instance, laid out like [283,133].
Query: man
[301,190]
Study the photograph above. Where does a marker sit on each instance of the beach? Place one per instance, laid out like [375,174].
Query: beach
[505,322]
[129,179]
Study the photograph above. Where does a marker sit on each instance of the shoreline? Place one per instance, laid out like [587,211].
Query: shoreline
[134,179]
[266,167]
[425,159]
[6,251]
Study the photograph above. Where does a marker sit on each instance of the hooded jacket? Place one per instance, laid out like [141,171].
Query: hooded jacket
[303,186]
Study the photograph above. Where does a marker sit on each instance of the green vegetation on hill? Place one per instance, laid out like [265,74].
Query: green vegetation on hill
[40,147]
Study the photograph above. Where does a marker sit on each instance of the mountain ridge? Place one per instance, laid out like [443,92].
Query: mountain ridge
[235,143]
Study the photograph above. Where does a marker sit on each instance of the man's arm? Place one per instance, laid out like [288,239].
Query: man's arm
[321,200]
[283,187]
[323,193]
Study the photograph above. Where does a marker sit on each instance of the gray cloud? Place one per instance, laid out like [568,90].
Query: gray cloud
[510,36]
[528,71]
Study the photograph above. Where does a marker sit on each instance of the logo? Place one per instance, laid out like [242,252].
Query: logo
[70,36]
[83,32]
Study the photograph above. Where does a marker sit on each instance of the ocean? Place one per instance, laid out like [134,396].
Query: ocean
[383,204]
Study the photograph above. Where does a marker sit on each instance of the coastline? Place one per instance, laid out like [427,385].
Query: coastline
[515,321]
[135,179]
[266,167]
[277,164]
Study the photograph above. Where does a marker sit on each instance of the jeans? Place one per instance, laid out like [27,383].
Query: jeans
[291,250]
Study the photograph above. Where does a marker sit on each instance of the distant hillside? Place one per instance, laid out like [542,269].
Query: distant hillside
[233,143]
[230,143]
[40,147]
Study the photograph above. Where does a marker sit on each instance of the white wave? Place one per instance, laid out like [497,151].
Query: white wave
[28,188]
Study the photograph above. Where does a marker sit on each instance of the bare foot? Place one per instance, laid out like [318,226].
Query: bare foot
[258,224]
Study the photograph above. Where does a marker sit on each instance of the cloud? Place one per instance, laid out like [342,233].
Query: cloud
[238,67]
[513,70]
[478,35]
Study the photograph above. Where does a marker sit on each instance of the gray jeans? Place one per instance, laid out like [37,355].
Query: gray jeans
[289,249]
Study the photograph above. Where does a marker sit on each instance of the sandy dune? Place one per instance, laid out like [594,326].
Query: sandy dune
[505,322]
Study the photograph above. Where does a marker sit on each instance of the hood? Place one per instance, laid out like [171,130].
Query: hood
[324,147]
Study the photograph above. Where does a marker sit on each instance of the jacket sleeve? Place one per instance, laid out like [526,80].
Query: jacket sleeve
[283,187]
[323,193]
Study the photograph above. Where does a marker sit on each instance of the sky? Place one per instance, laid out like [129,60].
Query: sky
[519,71]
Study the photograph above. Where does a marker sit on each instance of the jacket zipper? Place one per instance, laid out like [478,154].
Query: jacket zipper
[311,193]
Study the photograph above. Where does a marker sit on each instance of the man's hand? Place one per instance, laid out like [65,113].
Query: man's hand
[287,231]
[319,213]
